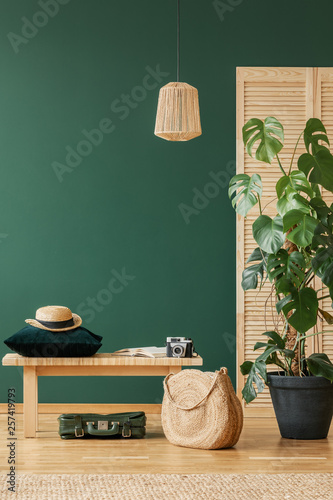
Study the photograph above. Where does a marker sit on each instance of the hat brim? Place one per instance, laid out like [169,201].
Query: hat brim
[76,318]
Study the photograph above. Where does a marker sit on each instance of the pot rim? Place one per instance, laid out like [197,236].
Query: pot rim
[281,373]
[279,379]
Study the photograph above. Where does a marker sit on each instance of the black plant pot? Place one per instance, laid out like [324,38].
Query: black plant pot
[303,405]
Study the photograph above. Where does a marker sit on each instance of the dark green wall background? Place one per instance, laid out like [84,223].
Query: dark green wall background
[119,207]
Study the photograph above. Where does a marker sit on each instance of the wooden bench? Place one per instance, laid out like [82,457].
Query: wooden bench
[99,364]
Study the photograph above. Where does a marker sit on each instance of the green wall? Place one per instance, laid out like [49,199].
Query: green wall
[120,206]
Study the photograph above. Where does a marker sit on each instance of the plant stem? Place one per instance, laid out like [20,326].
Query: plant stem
[259,204]
[285,329]
[288,366]
[278,362]
[292,158]
[281,167]
[309,280]
[269,203]
[306,279]
[296,342]
[317,333]
[302,355]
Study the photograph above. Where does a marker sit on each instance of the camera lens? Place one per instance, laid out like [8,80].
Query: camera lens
[177,350]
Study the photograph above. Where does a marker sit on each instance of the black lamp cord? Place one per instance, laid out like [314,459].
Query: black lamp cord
[178,40]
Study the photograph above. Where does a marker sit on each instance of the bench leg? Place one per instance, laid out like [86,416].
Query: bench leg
[37,403]
[175,369]
[30,407]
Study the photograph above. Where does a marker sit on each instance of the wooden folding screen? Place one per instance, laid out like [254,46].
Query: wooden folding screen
[292,95]
[323,109]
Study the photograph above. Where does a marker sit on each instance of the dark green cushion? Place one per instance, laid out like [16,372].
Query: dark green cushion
[35,342]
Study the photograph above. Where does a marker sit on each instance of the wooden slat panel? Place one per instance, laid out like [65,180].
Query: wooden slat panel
[240,323]
[287,94]
[324,111]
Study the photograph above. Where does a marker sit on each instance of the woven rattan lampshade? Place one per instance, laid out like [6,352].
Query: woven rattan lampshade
[178,115]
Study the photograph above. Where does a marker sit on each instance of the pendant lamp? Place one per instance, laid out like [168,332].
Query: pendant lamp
[178,115]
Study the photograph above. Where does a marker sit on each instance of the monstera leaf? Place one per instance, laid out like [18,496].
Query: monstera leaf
[313,133]
[304,303]
[286,266]
[318,167]
[274,339]
[249,190]
[322,261]
[267,133]
[283,286]
[268,233]
[320,365]
[327,276]
[303,233]
[256,371]
[322,243]
[292,200]
[326,316]
[251,274]
[256,255]
[321,209]
[297,181]
[317,163]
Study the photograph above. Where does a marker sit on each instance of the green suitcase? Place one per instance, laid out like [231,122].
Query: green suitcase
[92,425]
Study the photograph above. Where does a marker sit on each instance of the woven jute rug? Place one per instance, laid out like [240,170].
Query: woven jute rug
[169,487]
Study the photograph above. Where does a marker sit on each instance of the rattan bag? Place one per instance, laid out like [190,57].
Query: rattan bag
[201,410]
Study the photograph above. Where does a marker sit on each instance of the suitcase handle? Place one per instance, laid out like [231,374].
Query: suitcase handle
[98,432]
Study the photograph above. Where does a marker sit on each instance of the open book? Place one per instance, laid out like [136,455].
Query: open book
[144,352]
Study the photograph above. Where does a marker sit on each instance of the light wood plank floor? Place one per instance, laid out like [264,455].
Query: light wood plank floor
[260,450]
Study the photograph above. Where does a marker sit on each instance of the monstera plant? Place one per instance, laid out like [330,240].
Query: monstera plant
[294,246]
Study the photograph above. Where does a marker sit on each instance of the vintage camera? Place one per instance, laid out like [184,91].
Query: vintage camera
[179,347]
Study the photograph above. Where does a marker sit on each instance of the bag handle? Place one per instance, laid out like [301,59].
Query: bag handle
[224,371]
[98,432]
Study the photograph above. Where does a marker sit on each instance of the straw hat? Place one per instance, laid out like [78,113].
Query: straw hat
[55,319]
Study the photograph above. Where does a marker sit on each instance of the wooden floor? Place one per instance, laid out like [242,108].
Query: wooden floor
[260,450]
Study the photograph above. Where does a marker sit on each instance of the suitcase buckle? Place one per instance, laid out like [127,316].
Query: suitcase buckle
[102,425]
[126,435]
[79,435]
